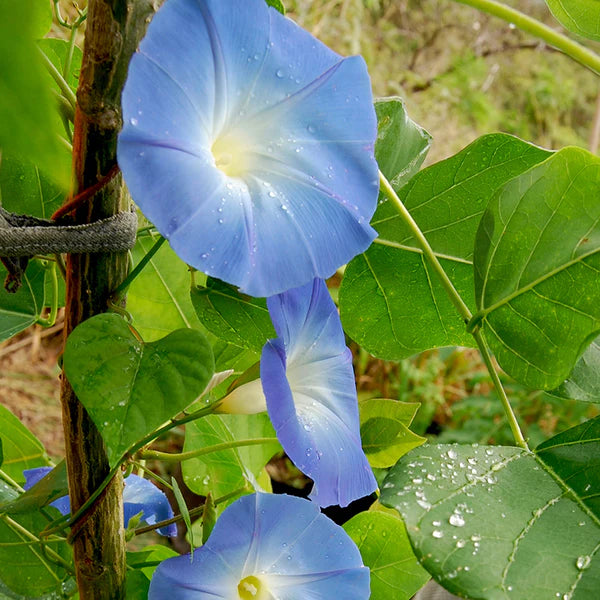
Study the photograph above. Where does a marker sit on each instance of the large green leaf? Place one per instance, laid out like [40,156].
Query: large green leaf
[384,430]
[401,145]
[391,301]
[231,316]
[579,16]
[26,190]
[159,297]
[20,448]
[503,523]
[385,549]
[222,472]
[19,311]
[29,123]
[584,381]
[57,51]
[130,387]
[25,572]
[537,263]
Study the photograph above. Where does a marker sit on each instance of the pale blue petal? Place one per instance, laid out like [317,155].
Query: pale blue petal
[309,386]
[299,552]
[299,117]
[32,476]
[142,495]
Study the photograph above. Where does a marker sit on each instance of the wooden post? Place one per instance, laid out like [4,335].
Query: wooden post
[114,29]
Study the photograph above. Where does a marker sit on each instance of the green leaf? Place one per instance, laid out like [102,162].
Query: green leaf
[51,487]
[130,387]
[408,310]
[501,522]
[277,5]
[384,430]
[536,268]
[385,549]
[145,558]
[159,297]
[19,311]
[29,123]
[137,585]
[183,510]
[40,17]
[25,572]
[57,51]
[401,145]
[222,472]
[231,316]
[25,190]
[21,449]
[584,381]
[579,16]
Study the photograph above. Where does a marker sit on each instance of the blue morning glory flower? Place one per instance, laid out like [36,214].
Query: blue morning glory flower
[308,383]
[139,495]
[267,546]
[249,144]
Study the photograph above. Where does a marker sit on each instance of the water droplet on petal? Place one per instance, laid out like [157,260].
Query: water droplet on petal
[279,73]
[133,121]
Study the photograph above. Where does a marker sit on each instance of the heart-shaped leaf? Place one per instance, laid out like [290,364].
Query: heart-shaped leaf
[385,549]
[384,430]
[498,522]
[128,387]
[408,309]
[537,261]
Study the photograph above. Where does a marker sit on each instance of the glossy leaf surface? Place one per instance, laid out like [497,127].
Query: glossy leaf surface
[537,267]
[579,16]
[408,310]
[130,388]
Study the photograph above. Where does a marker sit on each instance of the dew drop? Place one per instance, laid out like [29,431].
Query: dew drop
[583,562]
[452,454]
[133,121]
[279,74]
[456,520]
[460,543]
[311,129]
[436,523]
[437,534]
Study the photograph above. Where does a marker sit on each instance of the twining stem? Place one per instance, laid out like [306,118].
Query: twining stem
[524,22]
[138,268]
[60,81]
[456,299]
[181,456]
[50,268]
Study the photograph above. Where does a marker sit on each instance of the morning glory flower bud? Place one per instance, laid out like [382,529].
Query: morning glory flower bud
[139,495]
[249,144]
[267,546]
[309,390]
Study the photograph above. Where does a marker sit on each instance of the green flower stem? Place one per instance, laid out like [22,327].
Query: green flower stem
[571,48]
[62,84]
[50,267]
[62,524]
[69,58]
[181,456]
[458,302]
[122,288]
[195,511]
[151,474]
[52,555]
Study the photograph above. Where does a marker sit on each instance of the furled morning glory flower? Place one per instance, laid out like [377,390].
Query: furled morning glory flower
[139,495]
[249,144]
[308,382]
[267,546]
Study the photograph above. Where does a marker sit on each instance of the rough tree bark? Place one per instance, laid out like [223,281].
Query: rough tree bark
[114,29]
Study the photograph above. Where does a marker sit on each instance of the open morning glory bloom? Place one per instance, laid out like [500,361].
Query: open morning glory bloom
[249,144]
[139,495]
[267,546]
[308,383]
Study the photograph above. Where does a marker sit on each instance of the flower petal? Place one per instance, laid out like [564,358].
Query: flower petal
[285,541]
[309,386]
[219,83]
[32,476]
[142,495]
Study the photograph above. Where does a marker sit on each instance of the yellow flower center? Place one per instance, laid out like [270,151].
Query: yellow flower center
[231,155]
[252,588]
